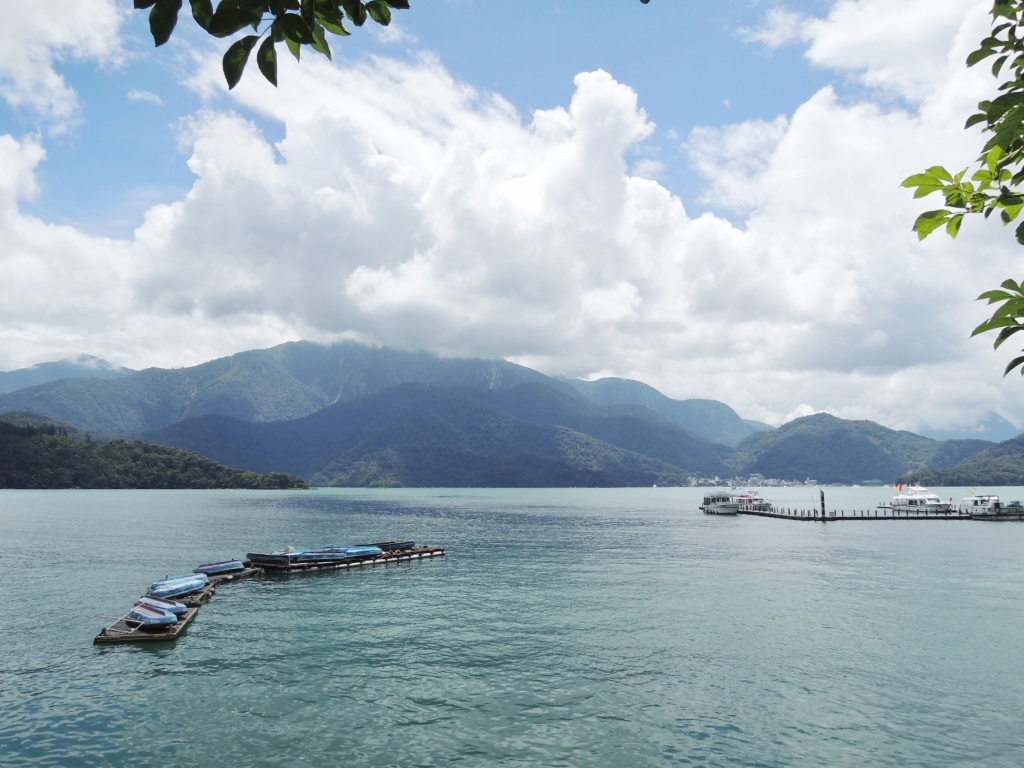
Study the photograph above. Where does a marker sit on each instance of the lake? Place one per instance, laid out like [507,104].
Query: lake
[566,627]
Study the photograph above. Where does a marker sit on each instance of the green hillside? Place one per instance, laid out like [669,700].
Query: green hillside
[1002,464]
[49,457]
[284,382]
[83,366]
[833,450]
[421,435]
[710,419]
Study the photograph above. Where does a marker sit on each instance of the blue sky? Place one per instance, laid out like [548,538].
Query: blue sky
[688,61]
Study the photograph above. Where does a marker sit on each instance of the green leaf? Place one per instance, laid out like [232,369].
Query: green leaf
[1020,235]
[320,41]
[404,4]
[953,227]
[355,11]
[227,20]
[1005,334]
[1013,364]
[202,12]
[266,60]
[140,4]
[379,11]
[236,57]
[994,296]
[294,47]
[162,20]
[1011,285]
[307,9]
[929,221]
[997,65]
[294,28]
[939,173]
[975,119]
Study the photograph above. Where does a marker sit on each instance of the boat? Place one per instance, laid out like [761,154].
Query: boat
[752,502]
[284,557]
[720,503]
[179,586]
[990,507]
[917,500]
[164,605]
[336,553]
[224,566]
[981,504]
[391,546]
[146,616]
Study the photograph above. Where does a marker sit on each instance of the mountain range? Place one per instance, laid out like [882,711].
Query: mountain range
[80,367]
[348,414]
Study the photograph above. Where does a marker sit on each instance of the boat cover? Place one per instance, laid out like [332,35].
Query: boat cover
[179,585]
[151,617]
[224,566]
[164,605]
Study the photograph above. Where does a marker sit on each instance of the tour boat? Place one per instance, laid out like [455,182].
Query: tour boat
[752,502]
[151,617]
[179,585]
[720,503]
[164,605]
[224,566]
[981,504]
[915,500]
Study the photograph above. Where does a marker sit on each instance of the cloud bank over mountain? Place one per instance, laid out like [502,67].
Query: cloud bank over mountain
[405,208]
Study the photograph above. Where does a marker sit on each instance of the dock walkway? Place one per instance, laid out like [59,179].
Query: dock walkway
[416,553]
[816,516]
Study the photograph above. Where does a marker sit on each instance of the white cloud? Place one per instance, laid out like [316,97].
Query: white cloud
[36,35]
[403,207]
[782,26]
[136,94]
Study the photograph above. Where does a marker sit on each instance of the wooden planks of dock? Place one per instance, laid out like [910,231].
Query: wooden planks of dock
[816,516]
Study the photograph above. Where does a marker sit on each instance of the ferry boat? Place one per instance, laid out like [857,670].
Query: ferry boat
[915,500]
[720,503]
[990,507]
[753,502]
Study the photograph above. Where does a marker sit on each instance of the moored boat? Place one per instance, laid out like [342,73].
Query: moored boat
[720,503]
[224,566]
[178,586]
[391,546]
[916,500]
[285,557]
[159,603]
[752,502]
[981,504]
[146,616]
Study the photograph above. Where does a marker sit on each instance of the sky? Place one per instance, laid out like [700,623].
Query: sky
[700,195]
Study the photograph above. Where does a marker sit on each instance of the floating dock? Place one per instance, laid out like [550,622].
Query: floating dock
[416,553]
[125,631]
[816,516]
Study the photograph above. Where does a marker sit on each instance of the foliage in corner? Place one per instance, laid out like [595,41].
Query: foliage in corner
[293,22]
[997,184]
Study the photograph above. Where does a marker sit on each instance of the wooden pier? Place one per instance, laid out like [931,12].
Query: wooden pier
[832,515]
[397,556]
[125,631]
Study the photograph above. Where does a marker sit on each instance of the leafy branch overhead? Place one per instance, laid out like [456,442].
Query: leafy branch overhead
[997,184]
[294,22]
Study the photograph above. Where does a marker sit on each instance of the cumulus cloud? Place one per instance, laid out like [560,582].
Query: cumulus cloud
[36,35]
[136,94]
[403,207]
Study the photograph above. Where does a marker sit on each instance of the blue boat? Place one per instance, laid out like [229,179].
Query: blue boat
[275,558]
[164,605]
[179,585]
[392,546]
[328,554]
[224,566]
[151,617]
[364,551]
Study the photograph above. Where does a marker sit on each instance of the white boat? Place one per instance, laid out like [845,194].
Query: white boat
[752,502]
[987,506]
[720,503]
[981,504]
[915,500]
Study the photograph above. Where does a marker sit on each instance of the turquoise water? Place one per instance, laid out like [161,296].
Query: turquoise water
[565,627]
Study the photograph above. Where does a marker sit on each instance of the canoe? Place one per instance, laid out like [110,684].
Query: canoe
[151,617]
[364,551]
[224,566]
[322,555]
[179,585]
[164,605]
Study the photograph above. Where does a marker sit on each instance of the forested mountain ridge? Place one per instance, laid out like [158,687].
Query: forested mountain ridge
[833,450]
[83,366]
[711,419]
[48,457]
[1000,464]
[418,434]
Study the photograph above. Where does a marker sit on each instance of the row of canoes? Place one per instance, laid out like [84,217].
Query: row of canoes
[329,554]
[159,609]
